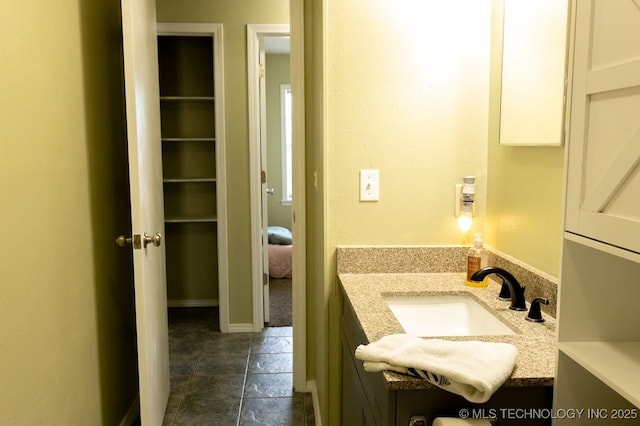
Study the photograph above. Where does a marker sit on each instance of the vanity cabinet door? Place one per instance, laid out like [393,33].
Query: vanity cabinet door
[603,182]
[355,407]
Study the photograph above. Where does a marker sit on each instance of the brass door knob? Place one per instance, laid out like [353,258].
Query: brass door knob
[123,241]
[156,240]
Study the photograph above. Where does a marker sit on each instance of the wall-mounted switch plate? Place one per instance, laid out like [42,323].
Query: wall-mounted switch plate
[369,185]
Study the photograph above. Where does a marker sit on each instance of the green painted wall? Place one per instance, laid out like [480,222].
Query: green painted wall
[278,71]
[234,15]
[68,333]
[524,188]
[524,204]
[409,93]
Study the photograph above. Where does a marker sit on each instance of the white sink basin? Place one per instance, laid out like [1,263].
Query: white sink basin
[445,315]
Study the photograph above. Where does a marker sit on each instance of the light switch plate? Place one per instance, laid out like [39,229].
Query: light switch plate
[369,185]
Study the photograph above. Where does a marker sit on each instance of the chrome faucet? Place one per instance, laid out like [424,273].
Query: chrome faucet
[515,289]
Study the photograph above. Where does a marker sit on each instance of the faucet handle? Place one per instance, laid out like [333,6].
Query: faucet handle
[534,314]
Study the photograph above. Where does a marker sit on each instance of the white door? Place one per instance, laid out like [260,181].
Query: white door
[145,176]
[604,149]
[265,190]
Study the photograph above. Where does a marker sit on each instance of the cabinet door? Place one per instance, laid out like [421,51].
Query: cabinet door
[355,409]
[604,135]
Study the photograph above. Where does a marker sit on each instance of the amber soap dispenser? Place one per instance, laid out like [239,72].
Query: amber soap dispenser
[476,259]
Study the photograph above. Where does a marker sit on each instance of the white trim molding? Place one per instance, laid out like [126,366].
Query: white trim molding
[311,387]
[298,209]
[192,303]
[296,32]
[241,328]
[133,413]
[255,32]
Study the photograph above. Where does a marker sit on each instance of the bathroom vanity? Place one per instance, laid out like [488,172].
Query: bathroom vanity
[389,398]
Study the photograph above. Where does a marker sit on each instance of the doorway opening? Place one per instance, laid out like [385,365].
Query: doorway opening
[282,189]
[194,166]
[276,165]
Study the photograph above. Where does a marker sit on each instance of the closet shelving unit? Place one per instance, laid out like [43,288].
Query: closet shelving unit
[193,163]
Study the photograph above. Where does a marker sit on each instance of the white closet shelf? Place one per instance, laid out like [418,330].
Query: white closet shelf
[191,219]
[617,364]
[188,139]
[607,248]
[190,180]
[187,98]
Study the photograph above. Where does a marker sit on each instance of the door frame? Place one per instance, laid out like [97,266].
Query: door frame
[264,202]
[254,33]
[298,203]
[215,32]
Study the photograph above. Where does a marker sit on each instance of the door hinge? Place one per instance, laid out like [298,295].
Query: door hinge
[265,279]
[261,70]
[263,177]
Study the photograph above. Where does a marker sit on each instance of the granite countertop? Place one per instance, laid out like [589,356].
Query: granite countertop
[535,364]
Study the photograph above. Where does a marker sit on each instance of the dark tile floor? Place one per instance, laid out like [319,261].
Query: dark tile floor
[231,378]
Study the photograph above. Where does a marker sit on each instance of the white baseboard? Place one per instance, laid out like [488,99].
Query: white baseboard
[311,387]
[191,303]
[241,328]
[132,413]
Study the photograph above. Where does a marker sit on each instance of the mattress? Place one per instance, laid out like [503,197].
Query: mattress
[280,261]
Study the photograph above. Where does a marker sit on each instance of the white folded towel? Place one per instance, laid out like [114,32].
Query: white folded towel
[472,369]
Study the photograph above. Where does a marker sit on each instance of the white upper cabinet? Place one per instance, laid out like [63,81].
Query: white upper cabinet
[603,187]
[534,53]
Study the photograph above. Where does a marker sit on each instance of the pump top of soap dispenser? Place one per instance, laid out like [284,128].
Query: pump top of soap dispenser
[477,240]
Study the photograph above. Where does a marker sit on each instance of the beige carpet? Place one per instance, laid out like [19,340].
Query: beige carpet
[280,303]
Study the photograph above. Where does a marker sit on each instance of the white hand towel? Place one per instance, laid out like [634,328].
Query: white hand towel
[472,369]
